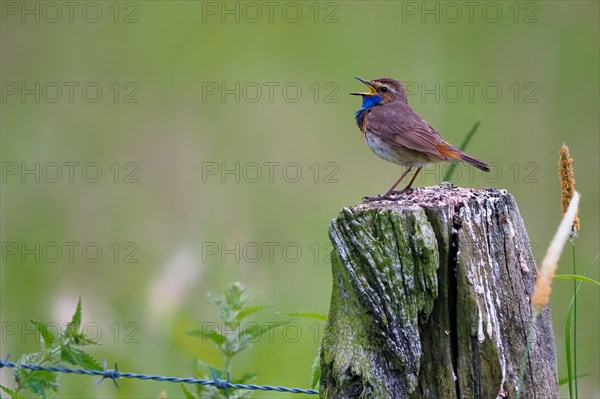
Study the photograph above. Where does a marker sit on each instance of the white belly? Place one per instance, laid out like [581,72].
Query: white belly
[395,154]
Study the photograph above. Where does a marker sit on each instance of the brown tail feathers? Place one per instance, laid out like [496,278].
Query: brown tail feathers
[451,152]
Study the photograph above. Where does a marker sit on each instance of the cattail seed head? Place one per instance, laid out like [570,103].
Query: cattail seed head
[567,182]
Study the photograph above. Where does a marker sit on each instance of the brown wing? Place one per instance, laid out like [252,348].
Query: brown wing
[398,124]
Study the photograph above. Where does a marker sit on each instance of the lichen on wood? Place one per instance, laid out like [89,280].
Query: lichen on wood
[431,299]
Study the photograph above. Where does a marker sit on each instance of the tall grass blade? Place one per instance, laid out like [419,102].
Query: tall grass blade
[579,277]
[564,380]
[573,376]
[568,348]
[462,147]
[575,320]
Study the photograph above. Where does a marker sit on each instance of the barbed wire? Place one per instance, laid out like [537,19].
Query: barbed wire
[108,374]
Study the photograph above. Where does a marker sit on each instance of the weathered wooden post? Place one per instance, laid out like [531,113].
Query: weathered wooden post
[431,299]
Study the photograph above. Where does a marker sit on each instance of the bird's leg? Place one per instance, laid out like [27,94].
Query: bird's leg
[408,187]
[391,190]
[386,195]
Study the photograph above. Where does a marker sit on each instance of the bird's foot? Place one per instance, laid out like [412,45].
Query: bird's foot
[390,196]
[379,197]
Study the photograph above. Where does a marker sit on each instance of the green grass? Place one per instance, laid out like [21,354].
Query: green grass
[571,325]
[572,316]
[463,147]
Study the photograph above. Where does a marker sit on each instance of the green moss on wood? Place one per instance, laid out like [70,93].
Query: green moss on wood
[385,264]
[430,299]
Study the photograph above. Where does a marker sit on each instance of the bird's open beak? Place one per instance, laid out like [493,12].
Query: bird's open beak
[371,89]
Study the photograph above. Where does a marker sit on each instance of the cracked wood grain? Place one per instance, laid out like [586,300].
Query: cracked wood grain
[431,299]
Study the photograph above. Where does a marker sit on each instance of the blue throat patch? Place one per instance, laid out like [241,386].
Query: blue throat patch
[367,102]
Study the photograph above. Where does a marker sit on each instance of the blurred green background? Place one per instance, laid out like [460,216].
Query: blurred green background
[226,143]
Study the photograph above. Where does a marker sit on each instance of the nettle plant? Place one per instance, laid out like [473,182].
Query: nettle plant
[65,349]
[234,311]
[56,351]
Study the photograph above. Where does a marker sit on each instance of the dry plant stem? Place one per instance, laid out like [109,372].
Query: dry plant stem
[541,295]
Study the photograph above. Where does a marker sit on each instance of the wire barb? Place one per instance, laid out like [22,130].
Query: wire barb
[110,374]
[221,384]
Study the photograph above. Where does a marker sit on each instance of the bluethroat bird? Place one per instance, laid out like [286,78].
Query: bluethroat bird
[396,133]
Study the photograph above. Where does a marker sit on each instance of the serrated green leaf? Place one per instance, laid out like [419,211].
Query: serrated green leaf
[244,379]
[247,311]
[71,331]
[211,392]
[89,362]
[41,381]
[22,375]
[208,369]
[315,373]
[37,388]
[80,339]
[231,303]
[576,277]
[217,338]
[307,315]
[13,394]
[67,355]
[79,358]
[253,333]
[76,319]
[46,336]
[241,394]
[186,392]
[235,295]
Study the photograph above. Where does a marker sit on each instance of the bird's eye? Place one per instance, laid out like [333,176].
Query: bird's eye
[384,89]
